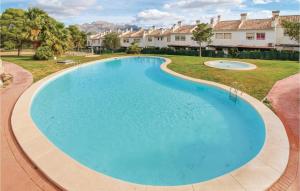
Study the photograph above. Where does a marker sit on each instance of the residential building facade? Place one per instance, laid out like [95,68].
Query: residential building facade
[244,33]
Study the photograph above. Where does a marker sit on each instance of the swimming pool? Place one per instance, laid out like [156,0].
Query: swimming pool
[128,119]
[230,65]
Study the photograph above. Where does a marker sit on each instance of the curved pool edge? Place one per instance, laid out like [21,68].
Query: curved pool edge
[258,174]
[252,66]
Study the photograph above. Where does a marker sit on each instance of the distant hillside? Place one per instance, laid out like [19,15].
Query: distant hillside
[101,26]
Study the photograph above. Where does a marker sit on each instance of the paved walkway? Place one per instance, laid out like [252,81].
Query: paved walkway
[17,172]
[285,99]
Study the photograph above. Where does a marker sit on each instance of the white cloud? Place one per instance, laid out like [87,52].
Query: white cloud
[264,1]
[190,4]
[66,8]
[155,15]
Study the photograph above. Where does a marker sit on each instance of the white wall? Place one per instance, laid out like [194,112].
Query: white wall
[95,42]
[188,41]
[282,39]
[131,40]
[238,38]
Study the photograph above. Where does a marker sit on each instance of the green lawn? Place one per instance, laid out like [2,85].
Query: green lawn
[256,82]
[41,69]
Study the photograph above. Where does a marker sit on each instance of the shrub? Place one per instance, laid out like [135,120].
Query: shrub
[43,53]
[133,49]
[8,45]
[233,53]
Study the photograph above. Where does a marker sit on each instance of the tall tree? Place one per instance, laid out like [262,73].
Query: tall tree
[202,33]
[78,38]
[111,41]
[55,35]
[292,29]
[35,20]
[13,27]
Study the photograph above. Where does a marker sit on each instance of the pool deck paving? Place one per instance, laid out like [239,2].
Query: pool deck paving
[17,172]
[285,99]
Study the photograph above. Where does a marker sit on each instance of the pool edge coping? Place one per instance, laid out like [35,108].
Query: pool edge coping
[258,174]
[252,66]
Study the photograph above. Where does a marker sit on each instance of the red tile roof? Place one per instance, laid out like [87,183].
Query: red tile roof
[155,33]
[184,29]
[227,25]
[138,34]
[256,24]
[291,18]
[127,34]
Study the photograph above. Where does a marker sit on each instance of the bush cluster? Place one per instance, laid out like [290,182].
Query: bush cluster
[133,49]
[233,53]
[43,53]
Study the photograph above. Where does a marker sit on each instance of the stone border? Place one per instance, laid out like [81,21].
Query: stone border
[258,174]
[211,64]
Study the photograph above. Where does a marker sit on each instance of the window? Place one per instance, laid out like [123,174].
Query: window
[136,40]
[249,36]
[126,40]
[285,33]
[260,36]
[168,39]
[180,38]
[219,35]
[227,35]
[149,39]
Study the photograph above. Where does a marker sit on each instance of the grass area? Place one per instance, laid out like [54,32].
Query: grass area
[41,69]
[256,82]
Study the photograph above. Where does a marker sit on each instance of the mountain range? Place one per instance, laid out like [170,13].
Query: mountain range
[102,26]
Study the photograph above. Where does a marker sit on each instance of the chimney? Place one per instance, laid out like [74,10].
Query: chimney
[212,21]
[243,16]
[275,14]
[219,18]
[173,27]
[131,29]
[197,22]
[275,18]
[179,23]
[153,27]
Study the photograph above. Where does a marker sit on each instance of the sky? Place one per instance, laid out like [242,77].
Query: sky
[154,12]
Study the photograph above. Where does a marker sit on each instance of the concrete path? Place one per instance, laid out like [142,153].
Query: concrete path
[17,172]
[285,99]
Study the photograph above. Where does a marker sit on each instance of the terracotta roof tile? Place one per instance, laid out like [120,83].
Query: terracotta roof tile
[167,32]
[291,18]
[138,34]
[155,33]
[227,25]
[127,34]
[256,24]
[184,29]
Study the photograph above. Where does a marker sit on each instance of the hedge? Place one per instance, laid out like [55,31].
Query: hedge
[264,55]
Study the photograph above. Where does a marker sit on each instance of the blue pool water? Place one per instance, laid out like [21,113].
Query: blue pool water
[226,64]
[128,119]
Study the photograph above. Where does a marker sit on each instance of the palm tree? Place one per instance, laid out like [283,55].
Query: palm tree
[35,21]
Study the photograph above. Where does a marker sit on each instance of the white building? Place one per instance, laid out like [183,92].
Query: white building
[253,33]
[242,34]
